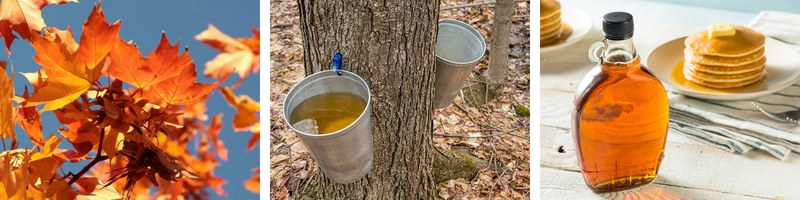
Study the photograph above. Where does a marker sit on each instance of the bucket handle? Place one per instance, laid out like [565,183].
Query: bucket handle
[337,64]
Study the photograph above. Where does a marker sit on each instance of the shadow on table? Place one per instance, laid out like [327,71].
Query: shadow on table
[663,191]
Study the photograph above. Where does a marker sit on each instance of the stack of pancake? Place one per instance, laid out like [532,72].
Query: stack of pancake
[728,61]
[549,21]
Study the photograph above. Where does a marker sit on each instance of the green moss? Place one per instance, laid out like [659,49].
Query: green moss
[469,163]
[522,111]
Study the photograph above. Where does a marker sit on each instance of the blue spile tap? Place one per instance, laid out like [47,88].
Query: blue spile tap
[337,64]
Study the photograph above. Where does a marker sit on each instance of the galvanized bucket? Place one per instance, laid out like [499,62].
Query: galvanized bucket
[345,155]
[458,48]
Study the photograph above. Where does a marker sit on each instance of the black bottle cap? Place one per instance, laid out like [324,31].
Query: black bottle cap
[618,25]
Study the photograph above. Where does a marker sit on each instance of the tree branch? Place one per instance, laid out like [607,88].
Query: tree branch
[508,132]
[473,5]
[95,161]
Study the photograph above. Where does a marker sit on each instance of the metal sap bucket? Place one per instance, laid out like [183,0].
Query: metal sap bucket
[458,48]
[345,155]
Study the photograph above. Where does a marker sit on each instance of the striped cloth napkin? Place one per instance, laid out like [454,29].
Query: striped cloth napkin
[737,126]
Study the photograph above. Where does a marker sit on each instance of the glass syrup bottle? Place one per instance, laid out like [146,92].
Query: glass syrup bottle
[621,114]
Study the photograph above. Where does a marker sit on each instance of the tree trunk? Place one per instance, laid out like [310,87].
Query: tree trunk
[498,54]
[494,80]
[391,46]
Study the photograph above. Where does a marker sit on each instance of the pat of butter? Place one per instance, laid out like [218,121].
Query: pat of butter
[719,30]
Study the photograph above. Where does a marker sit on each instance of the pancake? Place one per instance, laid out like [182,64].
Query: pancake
[547,31]
[744,42]
[725,85]
[729,60]
[716,78]
[550,27]
[757,65]
[548,8]
[555,19]
[549,39]
[690,55]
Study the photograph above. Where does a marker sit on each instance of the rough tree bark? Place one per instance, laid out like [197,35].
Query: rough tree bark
[391,45]
[494,80]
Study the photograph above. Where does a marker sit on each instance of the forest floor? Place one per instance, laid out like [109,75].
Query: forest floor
[290,163]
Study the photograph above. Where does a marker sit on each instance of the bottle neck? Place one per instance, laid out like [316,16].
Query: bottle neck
[620,54]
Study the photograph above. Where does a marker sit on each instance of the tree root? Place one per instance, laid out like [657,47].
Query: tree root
[457,163]
[480,92]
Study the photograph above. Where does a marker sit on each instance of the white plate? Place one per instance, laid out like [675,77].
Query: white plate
[783,69]
[581,24]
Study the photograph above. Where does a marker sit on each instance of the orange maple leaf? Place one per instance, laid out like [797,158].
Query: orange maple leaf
[213,131]
[241,54]
[183,90]
[163,63]
[246,107]
[80,131]
[30,121]
[256,129]
[254,184]
[246,117]
[7,109]
[24,17]
[71,73]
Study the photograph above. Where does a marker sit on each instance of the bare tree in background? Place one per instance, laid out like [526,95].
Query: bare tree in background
[495,78]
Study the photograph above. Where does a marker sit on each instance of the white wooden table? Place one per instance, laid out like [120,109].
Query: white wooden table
[690,169]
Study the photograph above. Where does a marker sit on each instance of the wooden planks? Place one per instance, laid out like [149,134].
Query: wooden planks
[755,174]
[567,185]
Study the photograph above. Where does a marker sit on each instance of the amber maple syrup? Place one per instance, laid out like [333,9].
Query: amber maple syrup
[620,119]
[678,77]
[327,113]
[566,31]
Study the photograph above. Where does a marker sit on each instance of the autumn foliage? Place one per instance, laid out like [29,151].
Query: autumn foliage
[132,116]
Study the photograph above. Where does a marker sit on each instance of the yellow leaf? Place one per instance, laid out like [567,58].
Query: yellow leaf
[15,180]
[49,147]
[246,107]
[112,143]
[8,112]
[101,193]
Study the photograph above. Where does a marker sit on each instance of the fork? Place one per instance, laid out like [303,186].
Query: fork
[790,116]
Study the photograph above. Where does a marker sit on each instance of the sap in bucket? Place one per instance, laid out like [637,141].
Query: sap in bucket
[330,112]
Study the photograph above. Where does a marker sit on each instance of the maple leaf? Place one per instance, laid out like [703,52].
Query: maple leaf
[7,109]
[43,166]
[14,180]
[147,160]
[49,148]
[256,129]
[24,17]
[245,118]
[246,107]
[183,90]
[80,132]
[70,72]
[213,132]
[100,193]
[163,63]
[113,142]
[241,54]
[30,121]
[254,184]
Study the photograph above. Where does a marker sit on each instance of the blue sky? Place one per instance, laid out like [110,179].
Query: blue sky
[142,22]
